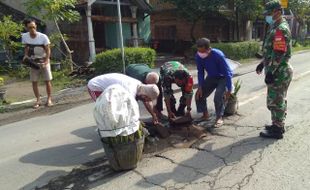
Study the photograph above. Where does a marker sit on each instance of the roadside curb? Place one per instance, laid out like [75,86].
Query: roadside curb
[57,96]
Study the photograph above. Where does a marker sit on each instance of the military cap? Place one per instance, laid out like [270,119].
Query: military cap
[272,5]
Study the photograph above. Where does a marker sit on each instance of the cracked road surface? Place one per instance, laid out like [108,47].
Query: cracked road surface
[234,157]
[62,151]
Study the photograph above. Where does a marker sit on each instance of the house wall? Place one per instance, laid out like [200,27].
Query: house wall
[174,33]
[112,31]
[78,40]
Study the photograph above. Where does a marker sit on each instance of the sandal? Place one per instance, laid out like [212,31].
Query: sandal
[49,104]
[36,105]
[219,123]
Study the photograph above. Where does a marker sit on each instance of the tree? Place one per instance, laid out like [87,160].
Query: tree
[10,30]
[301,11]
[57,11]
[247,9]
[194,10]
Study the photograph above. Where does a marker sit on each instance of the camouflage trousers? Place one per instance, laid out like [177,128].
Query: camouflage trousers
[276,94]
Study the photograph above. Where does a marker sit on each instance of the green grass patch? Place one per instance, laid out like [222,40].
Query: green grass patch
[301,48]
[62,80]
[247,61]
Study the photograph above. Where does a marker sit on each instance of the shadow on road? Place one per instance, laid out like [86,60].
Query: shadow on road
[69,154]
[205,162]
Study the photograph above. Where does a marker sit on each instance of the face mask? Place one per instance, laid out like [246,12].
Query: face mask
[202,55]
[269,19]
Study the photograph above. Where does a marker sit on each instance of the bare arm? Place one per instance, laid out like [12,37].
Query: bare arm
[48,53]
[149,108]
[26,52]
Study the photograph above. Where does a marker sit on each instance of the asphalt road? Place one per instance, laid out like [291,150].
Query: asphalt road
[37,150]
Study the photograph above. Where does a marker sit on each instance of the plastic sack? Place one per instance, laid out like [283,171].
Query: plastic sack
[116,112]
[233,64]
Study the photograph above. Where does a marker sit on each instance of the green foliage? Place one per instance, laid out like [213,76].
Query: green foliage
[10,30]
[194,10]
[237,50]
[58,10]
[62,80]
[301,9]
[19,73]
[55,39]
[1,81]
[237,85]
[111,60]
[249,9]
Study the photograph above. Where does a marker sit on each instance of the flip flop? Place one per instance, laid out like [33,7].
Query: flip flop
[219,124]
[36,105]
[49,104]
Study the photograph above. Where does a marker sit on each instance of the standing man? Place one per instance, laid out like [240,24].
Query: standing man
[146,75]
[174,72]
[144,92]
[219,78]
[279,73]
[37,48]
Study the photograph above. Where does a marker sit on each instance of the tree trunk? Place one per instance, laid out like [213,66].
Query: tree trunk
[248,30]
[237,25]
[69,52]
[192,31]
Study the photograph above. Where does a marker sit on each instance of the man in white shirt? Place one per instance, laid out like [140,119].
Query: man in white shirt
[37,49]
[143,92]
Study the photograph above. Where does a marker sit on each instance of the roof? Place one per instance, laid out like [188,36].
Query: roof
[17,15]
[141,4]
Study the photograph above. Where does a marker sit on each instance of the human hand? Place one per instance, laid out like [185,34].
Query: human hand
[198,94]
[260,68]
[227,95]
[155,120]
[171,115]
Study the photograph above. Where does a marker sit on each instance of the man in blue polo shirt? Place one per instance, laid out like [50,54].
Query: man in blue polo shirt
[219,78]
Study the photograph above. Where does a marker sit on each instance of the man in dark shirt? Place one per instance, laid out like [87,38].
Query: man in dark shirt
[146,75]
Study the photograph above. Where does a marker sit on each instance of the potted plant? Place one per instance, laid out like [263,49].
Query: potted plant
[2,89]
[55,66]
[232,102]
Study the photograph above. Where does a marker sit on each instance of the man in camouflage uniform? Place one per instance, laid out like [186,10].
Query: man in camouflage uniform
[278,71]
[174,72]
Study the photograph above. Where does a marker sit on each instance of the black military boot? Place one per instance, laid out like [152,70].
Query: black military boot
[272,131]
[181,110]
[269,127]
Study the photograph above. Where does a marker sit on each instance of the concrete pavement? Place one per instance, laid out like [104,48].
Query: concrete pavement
[37,150]
[233,157]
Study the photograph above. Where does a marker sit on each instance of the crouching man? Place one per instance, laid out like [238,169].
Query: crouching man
[143,92]
[146,75]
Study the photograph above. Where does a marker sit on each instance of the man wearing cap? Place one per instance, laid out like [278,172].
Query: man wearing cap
[143,92]
[174,72]
[146,75]
[278,71]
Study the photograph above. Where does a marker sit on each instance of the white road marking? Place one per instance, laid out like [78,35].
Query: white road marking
[264,93]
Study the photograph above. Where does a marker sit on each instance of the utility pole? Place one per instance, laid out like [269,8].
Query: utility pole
[121,33]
